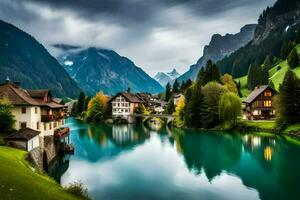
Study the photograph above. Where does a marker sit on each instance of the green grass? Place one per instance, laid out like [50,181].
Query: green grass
[262,124]
[276,76]
[19,181]
[292,128]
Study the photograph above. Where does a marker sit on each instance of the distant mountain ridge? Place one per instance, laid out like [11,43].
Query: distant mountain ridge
[24,59]
[168,77]
[96,69]
[219,47]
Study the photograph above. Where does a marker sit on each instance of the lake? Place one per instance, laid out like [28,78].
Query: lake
[133,162]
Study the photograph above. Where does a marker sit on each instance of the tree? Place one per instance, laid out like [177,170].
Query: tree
[293,59]
[256,76]
[98,108]
[289,93]
[80,102]
[212,93]
[267,63]
[86,102]
[208,74]
[229,83]
[286,48]
[175,87]
[142,110]
[230,107]
[168,92]
[179,112]
[7,120]
[186,85]
[170,107]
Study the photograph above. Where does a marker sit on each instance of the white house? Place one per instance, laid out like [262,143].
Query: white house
[34,111]
[124,104]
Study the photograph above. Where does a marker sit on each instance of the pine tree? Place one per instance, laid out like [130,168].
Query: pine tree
[168,92]
[170,107]
[267,63]
[289,93]
[251,77]
[175,87]
[293,59]
[202,78]
[80,103]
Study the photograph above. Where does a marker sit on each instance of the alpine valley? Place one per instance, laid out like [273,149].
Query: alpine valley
[97,69]
[164,78]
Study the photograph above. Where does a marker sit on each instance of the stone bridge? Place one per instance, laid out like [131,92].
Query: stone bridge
[147,116]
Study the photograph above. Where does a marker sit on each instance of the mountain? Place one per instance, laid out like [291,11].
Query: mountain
[97,69]
[24,59]
[277,26]
[219,47]
[164,78]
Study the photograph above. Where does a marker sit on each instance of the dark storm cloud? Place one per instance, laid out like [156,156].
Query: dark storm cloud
[142,10]
[157,34]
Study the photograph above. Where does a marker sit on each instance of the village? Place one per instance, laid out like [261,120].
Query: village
[40,117]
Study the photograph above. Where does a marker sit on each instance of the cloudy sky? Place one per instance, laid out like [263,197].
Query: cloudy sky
[157,35]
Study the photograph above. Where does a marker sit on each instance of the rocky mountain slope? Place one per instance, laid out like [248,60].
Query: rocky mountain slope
[24,59]
[104,70]
[277,26]
[164,78]
[219,47]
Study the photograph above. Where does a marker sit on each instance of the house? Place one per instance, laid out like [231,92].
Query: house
[36,114]
[26,139]
[259,104]
[152,102]
[176,98]
[124,104]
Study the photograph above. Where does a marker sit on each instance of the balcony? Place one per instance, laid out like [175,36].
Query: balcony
[61,132]
[47,118]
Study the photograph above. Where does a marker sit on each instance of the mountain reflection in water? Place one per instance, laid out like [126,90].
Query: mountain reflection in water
[133,162]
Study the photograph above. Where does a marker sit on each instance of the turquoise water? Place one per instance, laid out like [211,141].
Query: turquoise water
[133,162]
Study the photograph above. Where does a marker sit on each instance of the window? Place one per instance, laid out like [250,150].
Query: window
[268,103]
[23,125]
[38,125]
[268,93]
[55,125]
[50,125]
[35,110]
[23,110]
[45,126]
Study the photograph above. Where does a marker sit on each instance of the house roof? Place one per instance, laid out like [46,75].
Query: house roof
[255,93]
[23,134]
[16,95]
[38,93]
[129,96]
[57,100]
[21,97]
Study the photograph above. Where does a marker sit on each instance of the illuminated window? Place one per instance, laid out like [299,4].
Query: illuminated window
[268,103]
[268,93]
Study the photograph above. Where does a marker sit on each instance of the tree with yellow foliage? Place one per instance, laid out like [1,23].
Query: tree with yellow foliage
[229,83]
[179,112]
[98,108]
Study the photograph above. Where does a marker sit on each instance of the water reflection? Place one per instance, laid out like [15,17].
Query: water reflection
[133,162]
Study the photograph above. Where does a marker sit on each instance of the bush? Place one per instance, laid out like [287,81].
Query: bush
[278,68]
[78,190]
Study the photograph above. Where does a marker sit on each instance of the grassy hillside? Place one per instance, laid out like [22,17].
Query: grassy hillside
[19,181]
[276,74]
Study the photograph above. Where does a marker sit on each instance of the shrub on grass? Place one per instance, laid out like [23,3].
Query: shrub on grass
[78,190]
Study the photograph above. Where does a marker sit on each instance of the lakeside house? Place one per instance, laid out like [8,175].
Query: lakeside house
[259,104]
[38,119]
[124,104]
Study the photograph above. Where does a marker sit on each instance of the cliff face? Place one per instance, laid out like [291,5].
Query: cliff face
[277,25]
[219,47]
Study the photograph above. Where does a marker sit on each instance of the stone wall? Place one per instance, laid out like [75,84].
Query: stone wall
[36,157]
[50,148]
